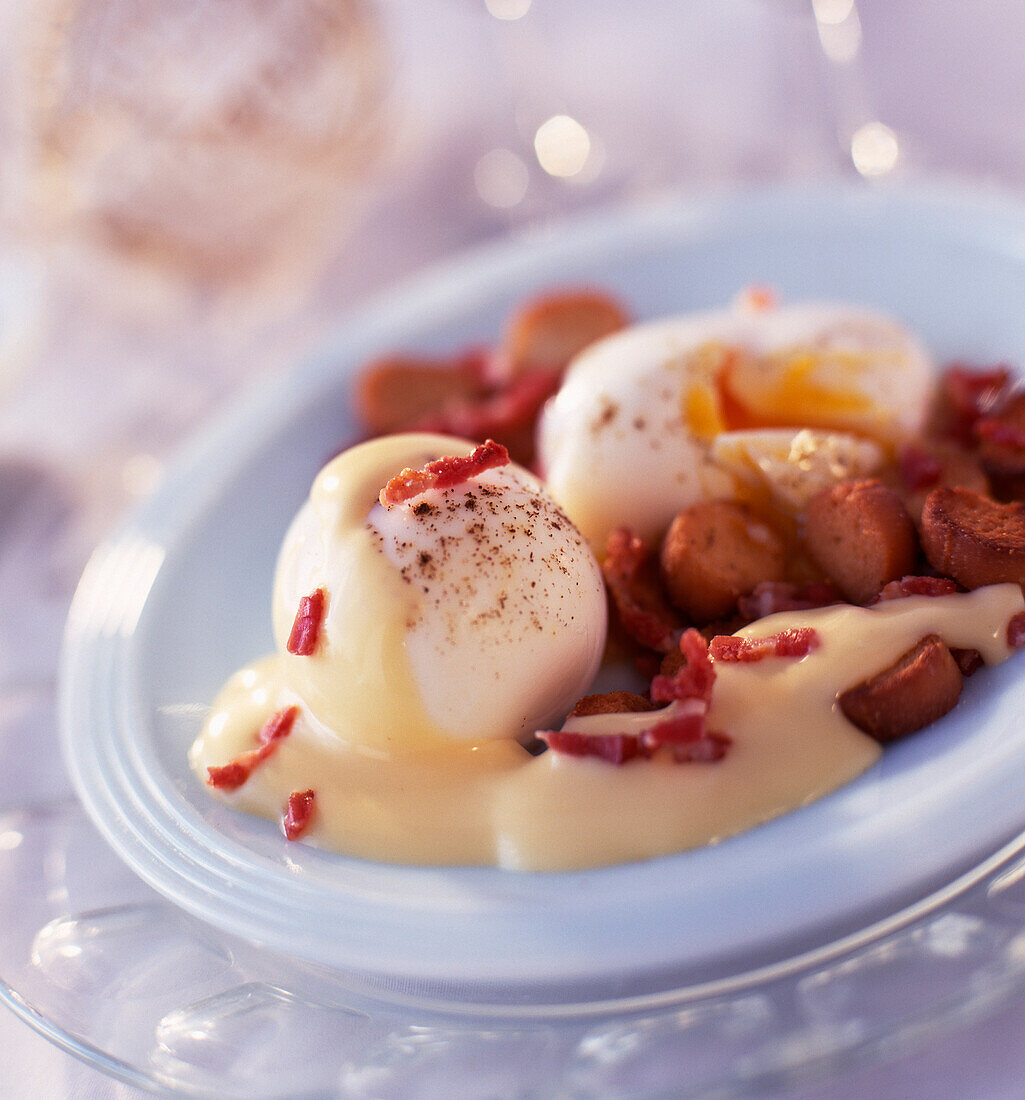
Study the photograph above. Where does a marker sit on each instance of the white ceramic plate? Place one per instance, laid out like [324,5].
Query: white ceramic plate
[180,599]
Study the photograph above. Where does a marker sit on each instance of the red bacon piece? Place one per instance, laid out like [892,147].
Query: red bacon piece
[916,586]
[771,597]
[686,734]
[500,414]
[1016,631]
[616,748]
[689,691]
[994,430]
[631,574]
[694,679]
[299,813]
[968,394]
[231,776]
[681,729]
[918,469]
[796,642]
[683,733]
[443,473]
[306,629]
[278,726]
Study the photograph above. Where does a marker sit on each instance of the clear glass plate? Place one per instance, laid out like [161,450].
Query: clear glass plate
[890,916]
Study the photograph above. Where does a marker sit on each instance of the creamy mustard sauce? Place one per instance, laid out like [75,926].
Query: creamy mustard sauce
[493,803]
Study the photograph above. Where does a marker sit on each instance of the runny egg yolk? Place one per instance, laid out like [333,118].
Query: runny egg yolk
[732,391]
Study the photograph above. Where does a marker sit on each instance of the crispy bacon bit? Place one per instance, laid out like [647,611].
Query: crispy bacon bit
[443,473]
[993,429]
[916,586]
[631,573]
[797,642]
[1016,631]
[685,725]
[492,393]
[278,726]
[686,734]
[231,776]
[306,628]
[918,469]
[683,733]
[501,414]
[693,679]
[969,661]
[969,394]
[682,728]
[470,394]
[298,814]
[616,748]
[771,597]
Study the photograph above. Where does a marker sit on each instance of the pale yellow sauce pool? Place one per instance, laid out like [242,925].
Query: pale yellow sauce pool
[493,803]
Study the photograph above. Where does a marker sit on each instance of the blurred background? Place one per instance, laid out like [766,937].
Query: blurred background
[191,193]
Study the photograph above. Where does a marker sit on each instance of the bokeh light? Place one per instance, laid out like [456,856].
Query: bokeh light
[832,12]
[501,178]
[562,146]
[874,149]
[508,9]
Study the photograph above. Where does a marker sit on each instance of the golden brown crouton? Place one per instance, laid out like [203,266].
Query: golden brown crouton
[919,688]
[974,539]
[546,333]
[714,553]
[611,702]
[860,535]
